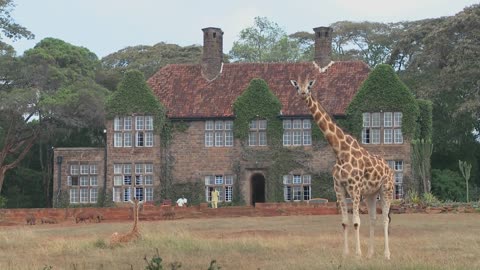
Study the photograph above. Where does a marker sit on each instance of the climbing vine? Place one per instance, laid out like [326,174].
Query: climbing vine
[135,96]
[424,123]
[383,91]
[258,102]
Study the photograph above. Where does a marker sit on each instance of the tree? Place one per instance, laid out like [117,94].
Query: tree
[10,29]
[465,169]
[17,131]
[421,153]
[264,42]
[439,60]
[53,92]
[147,59]
[448,185]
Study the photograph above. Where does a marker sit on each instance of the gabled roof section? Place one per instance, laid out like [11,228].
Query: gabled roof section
[187,94]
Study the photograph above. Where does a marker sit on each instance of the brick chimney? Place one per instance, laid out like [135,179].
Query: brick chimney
[212,52]
[323,45]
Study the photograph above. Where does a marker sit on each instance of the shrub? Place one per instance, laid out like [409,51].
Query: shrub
[430,199]
[448,185]
[3,202]
[412,197]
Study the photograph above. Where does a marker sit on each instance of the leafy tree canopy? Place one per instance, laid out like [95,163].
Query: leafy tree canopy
[10,29]
[147,59]
[265,42]
[60,63]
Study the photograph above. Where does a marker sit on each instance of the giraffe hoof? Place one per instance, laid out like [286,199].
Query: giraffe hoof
[387,256]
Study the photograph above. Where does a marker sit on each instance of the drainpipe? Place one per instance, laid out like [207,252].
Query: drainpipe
[59,177]
[105,167]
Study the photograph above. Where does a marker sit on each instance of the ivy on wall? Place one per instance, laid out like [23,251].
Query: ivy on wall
[258,102]
[383,91]
[424,123]
[135,96]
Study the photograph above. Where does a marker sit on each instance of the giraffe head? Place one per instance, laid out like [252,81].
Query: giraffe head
[303,88]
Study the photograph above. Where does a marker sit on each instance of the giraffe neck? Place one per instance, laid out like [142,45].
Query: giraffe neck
[333,133]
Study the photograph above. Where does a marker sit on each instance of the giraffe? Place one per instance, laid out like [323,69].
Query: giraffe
[356,173]
[134,234]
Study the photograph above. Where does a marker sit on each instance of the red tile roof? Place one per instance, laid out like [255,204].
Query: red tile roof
[187,94]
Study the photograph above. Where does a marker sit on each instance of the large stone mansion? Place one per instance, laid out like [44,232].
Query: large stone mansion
[201,97]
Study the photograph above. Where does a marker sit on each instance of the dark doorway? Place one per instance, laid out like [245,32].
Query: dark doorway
[258,188]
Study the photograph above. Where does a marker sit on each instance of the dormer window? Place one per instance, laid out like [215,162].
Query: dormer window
[381,127]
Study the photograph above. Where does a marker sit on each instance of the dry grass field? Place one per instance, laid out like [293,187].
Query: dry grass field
[418,241]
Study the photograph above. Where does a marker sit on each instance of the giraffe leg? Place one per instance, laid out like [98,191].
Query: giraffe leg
[341,199]
[356,222]
[386,196]
[371,201]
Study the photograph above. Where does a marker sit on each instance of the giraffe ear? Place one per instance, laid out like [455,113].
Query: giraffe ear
[310,84]
[294,83]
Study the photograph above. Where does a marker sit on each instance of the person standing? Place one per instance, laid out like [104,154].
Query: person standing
[215,195]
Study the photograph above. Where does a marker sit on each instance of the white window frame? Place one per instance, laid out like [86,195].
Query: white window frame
[382,127]
[297,187]
[297,132]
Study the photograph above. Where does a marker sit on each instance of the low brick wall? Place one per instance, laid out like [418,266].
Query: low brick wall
[151,212]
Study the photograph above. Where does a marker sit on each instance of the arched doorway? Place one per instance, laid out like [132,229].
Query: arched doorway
[258,188]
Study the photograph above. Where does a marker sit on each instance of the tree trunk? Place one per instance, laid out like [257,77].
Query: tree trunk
[2,177]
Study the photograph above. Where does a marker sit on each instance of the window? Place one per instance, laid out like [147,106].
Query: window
[127,139]
[93,195]
[297,132]
[257,135]
[117,124]
[219,133]
[297,187]
[124,135]
[123,181]
[74,196]
[148,122]
[117,139]
[139,122]
[128,123]
[149,194]
[397,166]
[82,179]
[74,169]
[381,127]
[84,195]
[84,169]
[222,183]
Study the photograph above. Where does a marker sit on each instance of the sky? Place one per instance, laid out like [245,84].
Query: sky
[106,26]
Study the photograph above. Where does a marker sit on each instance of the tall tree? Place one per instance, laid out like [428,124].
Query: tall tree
[8,27]
[147,59]
[55,83]
[266,41]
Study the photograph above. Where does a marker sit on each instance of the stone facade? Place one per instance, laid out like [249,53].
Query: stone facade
[195,94]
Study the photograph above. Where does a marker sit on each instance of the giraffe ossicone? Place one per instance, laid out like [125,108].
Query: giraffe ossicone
[356,173]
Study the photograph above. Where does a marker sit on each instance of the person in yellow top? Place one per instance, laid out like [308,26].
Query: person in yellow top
[215,195]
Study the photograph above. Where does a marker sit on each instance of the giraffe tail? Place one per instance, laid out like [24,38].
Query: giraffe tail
[389,219]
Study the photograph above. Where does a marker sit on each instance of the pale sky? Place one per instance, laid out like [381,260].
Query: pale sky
[106,26]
